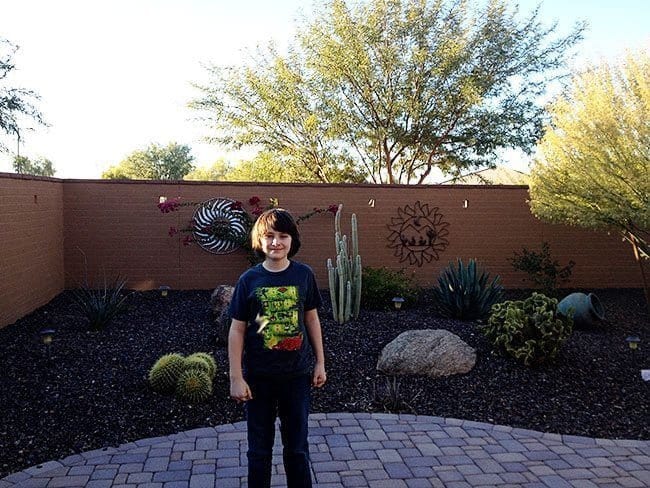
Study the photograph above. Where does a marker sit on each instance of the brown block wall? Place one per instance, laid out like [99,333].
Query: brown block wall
[88,229]
[121,230]
[31,244]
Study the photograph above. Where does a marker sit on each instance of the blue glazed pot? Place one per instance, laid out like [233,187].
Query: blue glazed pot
[587,309]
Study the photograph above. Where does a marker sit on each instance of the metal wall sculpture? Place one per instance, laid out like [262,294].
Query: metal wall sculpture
[219,225]
[418,234]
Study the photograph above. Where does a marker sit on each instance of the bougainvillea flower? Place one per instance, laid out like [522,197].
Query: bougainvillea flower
[254,200]
[172,231]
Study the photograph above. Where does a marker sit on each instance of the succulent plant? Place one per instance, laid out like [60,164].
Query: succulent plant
[193,385]
[465,293]
[345,278]
[203,361]
[165,372]
[531,330]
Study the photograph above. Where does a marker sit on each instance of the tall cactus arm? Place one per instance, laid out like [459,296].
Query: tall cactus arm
[331,275]
[357,285]
[355,237]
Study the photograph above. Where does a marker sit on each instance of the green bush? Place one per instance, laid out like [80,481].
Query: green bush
[531,330]
[101,305]
[542,270]
[164,374]
[465,293]
[381,285]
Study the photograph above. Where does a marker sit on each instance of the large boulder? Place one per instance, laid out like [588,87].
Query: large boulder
[219,303]
[431,352]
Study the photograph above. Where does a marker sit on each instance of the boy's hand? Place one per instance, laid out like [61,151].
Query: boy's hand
[320,377]
[240,391]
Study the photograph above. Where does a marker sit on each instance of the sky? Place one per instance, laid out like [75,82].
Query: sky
[116,76]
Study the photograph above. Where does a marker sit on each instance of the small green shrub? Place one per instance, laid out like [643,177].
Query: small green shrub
[531,330]
[193,385]
[164,374]
[542,270]
[381,285]
[203,361]
[101,305]
[464,292]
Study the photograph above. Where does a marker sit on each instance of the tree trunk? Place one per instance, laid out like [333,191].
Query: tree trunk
[637,256]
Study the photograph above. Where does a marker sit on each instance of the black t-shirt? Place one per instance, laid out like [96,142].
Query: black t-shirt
[273,306]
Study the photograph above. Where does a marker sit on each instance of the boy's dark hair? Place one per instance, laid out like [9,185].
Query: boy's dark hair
[279,220]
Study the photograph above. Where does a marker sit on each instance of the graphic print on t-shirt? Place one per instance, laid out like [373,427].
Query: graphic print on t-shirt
[278,320]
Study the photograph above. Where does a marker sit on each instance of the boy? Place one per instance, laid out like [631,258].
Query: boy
[275,327]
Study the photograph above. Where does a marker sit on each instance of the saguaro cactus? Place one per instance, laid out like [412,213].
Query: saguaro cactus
[345,277]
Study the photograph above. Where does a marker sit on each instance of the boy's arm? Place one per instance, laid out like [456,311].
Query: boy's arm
[312,324]
[239,389]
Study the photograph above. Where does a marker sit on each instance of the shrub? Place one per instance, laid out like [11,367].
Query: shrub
[101,305]
[164,374]
[203,361]
[381,285]
[193,385]
[531,330]
[542,270]
[465,293]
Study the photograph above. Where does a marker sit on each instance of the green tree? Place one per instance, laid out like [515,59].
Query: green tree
[216,172]
[268,167]
[16,104]
[593,164]
[38,167]
[392,89]
[171,162]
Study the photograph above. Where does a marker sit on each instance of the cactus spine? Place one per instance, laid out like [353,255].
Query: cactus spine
[345,277]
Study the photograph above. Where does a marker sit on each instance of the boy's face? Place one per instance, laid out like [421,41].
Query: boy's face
[276,245]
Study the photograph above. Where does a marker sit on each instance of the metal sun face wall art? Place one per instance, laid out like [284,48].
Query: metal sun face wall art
[216,222]
[418,234]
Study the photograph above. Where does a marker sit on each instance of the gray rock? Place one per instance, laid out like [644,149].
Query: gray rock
[219,302]
[430,352]
[220,299]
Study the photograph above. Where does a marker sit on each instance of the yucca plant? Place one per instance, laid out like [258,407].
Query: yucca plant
[101,305]
[465,292]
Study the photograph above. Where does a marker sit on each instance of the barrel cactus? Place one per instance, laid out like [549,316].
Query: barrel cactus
[202,361]
[194,385]
[165,372]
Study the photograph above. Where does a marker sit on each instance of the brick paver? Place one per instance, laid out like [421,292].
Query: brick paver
[361,449]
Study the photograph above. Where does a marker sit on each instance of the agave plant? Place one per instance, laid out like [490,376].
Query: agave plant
[101,305]
[465,292]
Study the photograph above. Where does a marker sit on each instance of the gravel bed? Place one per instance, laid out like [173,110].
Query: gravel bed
[90,389]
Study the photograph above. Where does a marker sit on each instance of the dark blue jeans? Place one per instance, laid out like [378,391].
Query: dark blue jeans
[289,399]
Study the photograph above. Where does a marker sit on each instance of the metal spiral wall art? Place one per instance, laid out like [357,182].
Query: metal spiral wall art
[418,234]
[219,225]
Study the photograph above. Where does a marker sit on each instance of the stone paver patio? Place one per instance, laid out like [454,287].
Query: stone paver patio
[360,449]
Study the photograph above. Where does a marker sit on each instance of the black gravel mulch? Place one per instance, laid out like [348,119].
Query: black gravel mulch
[92,392]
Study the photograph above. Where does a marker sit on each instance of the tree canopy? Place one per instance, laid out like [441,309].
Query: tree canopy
[156,162]
[39,167]
[593,167]
[16,104]
[388,90]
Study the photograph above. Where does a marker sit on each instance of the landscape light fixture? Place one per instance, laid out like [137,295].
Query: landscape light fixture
[164,289]
[47,335]
[397,302]
[633,342]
